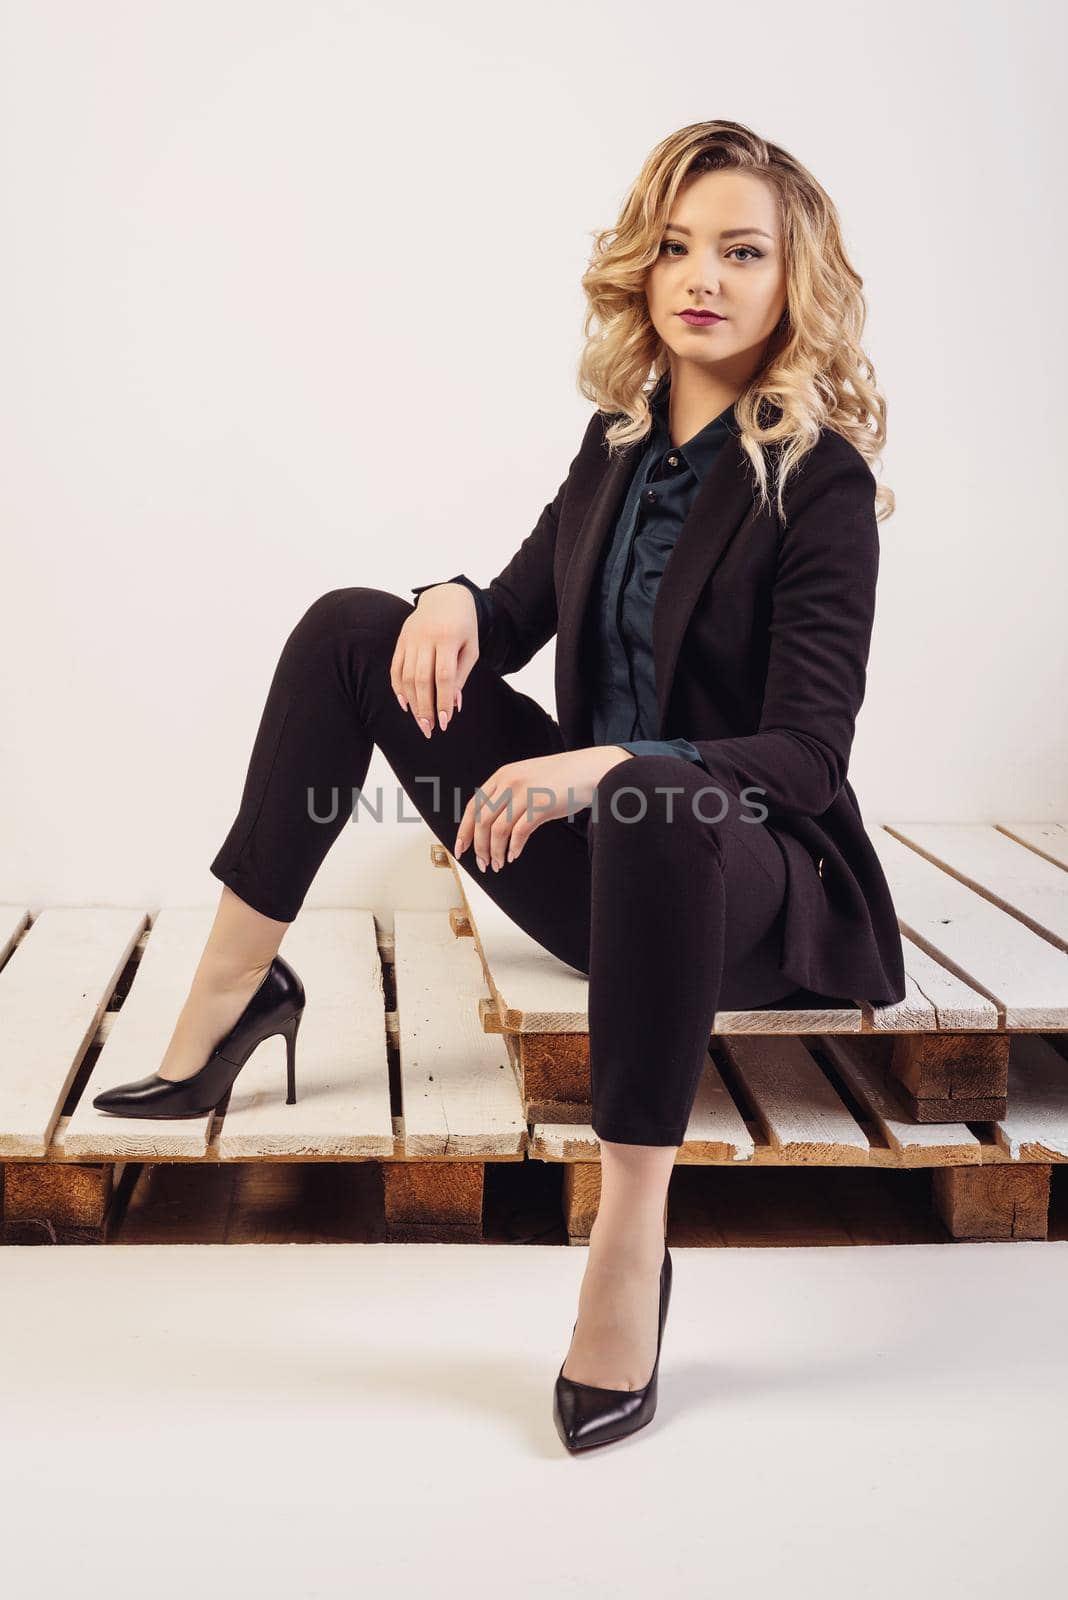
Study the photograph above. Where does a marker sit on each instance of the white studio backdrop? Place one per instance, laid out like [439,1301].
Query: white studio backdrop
[289,298]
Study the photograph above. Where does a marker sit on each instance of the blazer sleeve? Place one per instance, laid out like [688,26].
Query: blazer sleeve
[822,612]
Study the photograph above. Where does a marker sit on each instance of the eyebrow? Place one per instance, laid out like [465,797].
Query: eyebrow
[728,233]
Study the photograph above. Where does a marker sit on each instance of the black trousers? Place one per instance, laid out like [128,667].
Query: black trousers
[669,915]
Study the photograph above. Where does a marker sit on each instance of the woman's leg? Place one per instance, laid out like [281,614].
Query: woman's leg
[686,919]
[329,703]
[662,922]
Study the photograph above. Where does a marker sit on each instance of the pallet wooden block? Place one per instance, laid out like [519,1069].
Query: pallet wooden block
[88,998]
[984,919]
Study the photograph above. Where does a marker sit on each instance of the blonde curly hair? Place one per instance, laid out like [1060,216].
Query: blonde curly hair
[815,373]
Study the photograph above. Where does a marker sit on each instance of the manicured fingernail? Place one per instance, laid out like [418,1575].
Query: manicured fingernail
[402,702]
[481,864]
[425,725]
[443,720]
[459,699]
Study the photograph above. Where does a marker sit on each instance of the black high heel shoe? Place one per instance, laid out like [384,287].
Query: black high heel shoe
[276,1007]
[586,1415]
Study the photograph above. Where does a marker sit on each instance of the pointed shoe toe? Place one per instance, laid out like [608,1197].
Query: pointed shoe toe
[586,1415]
[151,1097]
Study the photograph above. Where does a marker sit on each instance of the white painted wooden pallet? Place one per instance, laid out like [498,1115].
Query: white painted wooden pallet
[458,1095]
[986,938]
[983,912]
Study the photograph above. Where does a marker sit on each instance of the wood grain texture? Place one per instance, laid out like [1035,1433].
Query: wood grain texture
[342,1068]
[54,989]
[1021,971]
[459,1094]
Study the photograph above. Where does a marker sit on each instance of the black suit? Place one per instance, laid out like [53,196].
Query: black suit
[761,635]
[760,640]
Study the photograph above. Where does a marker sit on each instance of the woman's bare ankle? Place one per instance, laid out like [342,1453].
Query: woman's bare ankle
[219,971]
[241,942]
[216,998]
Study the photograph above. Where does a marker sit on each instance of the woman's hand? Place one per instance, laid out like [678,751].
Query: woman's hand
[541,789]
[436,648]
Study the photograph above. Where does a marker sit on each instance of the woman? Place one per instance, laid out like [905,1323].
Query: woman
[709,567]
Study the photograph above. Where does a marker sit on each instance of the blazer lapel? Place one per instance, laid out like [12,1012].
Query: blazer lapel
[595,530]
[718,511]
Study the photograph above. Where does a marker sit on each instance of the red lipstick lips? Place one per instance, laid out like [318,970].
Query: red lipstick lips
[701,319]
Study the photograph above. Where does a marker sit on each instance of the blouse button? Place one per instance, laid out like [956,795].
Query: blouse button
[650,495]
[673,461]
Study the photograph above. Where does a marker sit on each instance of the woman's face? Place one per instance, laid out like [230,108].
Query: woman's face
[722,251]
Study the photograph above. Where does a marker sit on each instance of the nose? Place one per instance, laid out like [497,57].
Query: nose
[704,272]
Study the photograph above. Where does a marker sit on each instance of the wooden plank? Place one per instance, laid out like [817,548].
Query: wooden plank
[54,989]
[459,1094]
[1050,839]
[342,1108]
[1035,1127]
[12,921]
[916,1013]
[532,992]
[1021,972]
[1001,869]
[801,1113]
[779,1019]
[134,1046]
[864,1065]
[535,991]
[716,1131]
[935,999]
[567,1142]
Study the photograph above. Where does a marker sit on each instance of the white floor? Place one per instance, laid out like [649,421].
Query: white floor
[320,1420]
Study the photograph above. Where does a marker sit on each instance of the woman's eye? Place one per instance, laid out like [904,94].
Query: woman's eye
[753,255]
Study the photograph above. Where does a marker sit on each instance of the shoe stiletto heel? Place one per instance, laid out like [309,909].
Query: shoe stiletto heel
[290,1033]
[586,1415]
[276,1007]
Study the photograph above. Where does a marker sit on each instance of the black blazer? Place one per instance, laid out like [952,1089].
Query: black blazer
[761,632]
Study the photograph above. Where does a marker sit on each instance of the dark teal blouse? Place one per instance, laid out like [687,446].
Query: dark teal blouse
[661,491]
